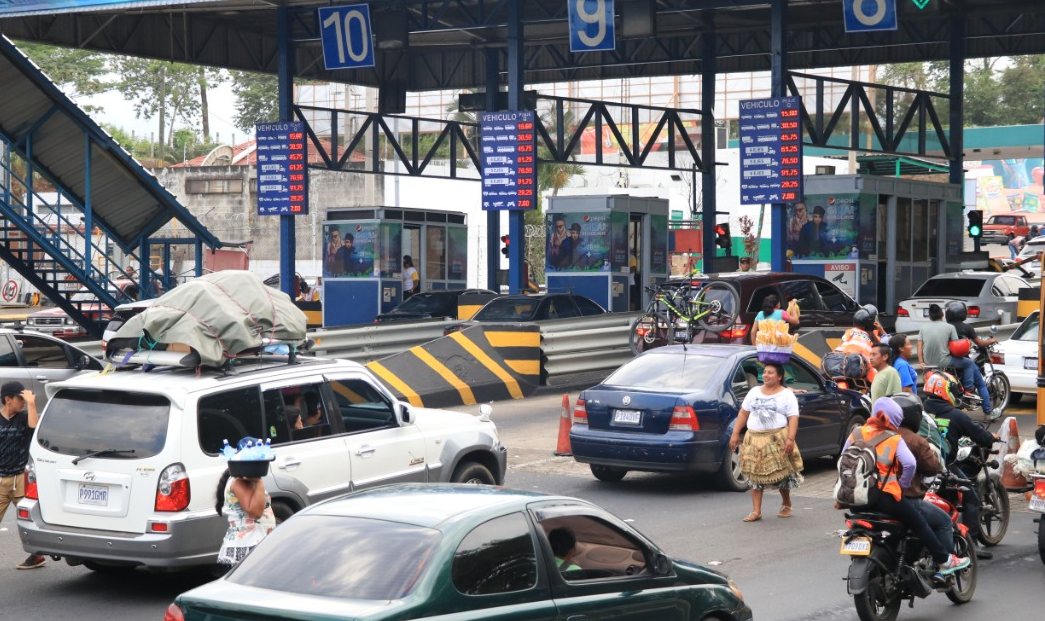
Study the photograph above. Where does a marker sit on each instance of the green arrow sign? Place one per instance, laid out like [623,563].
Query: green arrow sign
[921,4]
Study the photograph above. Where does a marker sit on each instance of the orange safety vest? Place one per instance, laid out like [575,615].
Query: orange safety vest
[856,341]
[885,459]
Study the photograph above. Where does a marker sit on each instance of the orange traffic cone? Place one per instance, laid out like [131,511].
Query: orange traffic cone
[562,448]
[1010,479]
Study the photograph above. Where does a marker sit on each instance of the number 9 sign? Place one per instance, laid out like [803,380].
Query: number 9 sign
[347,36]
[591,26]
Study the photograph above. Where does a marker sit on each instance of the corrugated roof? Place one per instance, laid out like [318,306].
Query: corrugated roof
[126,200]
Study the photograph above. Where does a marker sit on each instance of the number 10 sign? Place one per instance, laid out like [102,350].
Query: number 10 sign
[347,36]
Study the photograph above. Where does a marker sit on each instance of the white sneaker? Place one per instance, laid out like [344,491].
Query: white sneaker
[995,414]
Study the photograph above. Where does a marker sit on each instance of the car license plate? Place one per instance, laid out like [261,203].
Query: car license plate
[857,546]
[1037,503]
[925,312]
[93,495]
[627,417]
[680,335]
[1030,363]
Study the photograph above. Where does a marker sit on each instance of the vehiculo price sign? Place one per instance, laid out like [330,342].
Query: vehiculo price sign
[282,169]
[509,160]
[770,151]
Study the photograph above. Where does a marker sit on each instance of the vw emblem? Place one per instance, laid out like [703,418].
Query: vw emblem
[626,400]
[88,476]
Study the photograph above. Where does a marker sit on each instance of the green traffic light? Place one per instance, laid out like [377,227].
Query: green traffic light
[975,231]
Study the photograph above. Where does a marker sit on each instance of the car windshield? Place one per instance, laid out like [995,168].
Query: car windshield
[507,309]
[1002,220]
[689,372]
[83,421]
[426,303]
[84,296]
[342,557]
[950,288]
[1028,330]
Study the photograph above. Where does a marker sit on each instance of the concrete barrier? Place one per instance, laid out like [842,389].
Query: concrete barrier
[487,362]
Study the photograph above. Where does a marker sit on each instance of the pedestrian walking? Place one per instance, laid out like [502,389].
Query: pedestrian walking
[248,508]
[18,418]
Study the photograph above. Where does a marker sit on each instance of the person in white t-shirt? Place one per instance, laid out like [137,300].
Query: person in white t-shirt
[410,277]
[768,457]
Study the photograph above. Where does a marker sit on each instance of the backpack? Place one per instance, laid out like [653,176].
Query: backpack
[931,432]
[839,364]
[859,483]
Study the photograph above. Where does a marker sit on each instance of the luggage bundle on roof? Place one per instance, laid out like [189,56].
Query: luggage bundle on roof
[209,321]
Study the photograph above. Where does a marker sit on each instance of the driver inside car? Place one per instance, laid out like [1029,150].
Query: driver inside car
[564,546]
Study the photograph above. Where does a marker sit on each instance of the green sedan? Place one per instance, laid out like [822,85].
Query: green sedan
[460,552]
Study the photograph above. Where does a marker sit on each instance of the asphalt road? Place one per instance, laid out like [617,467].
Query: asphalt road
[788,569]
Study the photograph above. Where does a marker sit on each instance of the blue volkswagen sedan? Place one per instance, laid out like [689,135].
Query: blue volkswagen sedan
[672,409]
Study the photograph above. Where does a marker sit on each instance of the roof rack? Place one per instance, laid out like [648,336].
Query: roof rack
[149,359]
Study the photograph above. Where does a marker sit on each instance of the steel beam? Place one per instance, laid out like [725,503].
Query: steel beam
[287,241]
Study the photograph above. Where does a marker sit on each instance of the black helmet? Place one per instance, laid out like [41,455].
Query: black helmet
[911,406]
[955,311]
[871,308]
[864,320]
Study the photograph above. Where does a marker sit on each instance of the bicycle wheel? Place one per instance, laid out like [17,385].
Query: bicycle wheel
[716,305]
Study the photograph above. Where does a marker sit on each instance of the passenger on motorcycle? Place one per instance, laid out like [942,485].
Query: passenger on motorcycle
[956,313]
[865,334]
[943,393]
[927,465]
[894,452]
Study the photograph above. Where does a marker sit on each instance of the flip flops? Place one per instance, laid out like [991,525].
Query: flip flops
[785,511]
[753,517]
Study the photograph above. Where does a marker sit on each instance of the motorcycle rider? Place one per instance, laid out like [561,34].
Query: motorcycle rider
[928,465]
[943,393]
[865,334]
[956,313]
[888,417]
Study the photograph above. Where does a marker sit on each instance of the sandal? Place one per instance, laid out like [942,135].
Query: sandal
[785,511]
[753,517]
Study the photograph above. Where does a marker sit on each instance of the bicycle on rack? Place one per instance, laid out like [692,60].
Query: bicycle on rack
[675,309]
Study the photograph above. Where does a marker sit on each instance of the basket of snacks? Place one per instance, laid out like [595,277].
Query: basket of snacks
[249,459]
[773,342]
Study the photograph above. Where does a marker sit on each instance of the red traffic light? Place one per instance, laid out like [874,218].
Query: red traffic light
[504,251]
[719,230]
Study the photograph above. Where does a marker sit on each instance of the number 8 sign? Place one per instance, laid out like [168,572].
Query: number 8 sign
[347,36]
[591,26]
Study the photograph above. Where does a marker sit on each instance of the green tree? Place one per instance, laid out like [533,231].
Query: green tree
[1020,89]
[257,99]
[156,88]
[80,73]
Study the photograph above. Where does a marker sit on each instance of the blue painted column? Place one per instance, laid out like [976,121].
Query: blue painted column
[285,71]
[707,142]
[88,208]
[778,212]
[493,217]
[516,219]
[957,116]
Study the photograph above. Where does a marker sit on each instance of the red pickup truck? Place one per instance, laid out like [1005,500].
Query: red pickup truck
[1000,228]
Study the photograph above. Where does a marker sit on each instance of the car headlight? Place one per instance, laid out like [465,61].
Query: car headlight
[736,590]
[30,321]
[68,321]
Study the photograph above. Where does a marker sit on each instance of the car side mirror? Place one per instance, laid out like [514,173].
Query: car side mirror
[662,565]
[831,386]
[83,362]
[404,414]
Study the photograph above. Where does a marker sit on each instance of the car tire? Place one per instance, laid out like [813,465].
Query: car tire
[281,511]
[473,473]
[608,474]
[729,476]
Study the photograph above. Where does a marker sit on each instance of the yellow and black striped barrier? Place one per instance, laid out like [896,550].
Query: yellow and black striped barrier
[468,305]
[813,344]
[488,362]
[1029,300]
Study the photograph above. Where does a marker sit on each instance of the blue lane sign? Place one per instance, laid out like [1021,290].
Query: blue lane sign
[282,169]
[591,26]
[869,15]
[348,42]
[770,151]
[509,160]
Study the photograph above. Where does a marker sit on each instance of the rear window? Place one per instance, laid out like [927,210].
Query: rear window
[1002,220]
[320,555]
[1028,330]
[506,308]
[950,288]
[81,421]
[667,371]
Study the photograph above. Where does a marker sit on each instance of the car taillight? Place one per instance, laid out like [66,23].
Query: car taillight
[997,357]
[172,490]
[580,414]
[683,418]
[173,613]
[902,312]
[974,311]
[1039,488]
[31,490]
[739,331]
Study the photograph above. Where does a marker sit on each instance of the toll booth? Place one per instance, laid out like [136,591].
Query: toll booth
[363,251]
[606,247]
[877,238]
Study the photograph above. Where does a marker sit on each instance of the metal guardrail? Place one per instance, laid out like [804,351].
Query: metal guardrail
[568,346]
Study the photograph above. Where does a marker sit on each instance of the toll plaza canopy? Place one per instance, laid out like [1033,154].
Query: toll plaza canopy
[440,44]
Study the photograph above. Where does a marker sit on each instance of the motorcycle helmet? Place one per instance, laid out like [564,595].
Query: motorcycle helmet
[911,406]
[955,311]
[959,348]
[944,386]
[871,308]
[864,320]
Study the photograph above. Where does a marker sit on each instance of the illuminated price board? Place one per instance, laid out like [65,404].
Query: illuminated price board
[508,144]
[770,151]
[282,154]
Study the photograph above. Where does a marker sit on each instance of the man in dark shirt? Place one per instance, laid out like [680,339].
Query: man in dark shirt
[957,313]
[18,418]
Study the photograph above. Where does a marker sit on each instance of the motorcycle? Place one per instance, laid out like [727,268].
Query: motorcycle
[998,386]
[1037,504]
[889,564]
[994,513]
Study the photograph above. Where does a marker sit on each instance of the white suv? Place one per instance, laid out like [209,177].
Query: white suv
[124,465]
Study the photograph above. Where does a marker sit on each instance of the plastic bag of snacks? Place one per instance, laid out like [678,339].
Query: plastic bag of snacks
[773,342]
[792,308]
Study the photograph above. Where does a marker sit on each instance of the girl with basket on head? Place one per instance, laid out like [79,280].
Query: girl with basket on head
[249,510]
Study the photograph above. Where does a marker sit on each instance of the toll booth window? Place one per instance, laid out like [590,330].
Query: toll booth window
[435,253]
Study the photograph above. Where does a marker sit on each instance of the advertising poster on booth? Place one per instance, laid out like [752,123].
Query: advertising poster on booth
[457,257]
[349,249]
[578,242]
[390,245]
[619,226]
[658,231]
[824,226]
